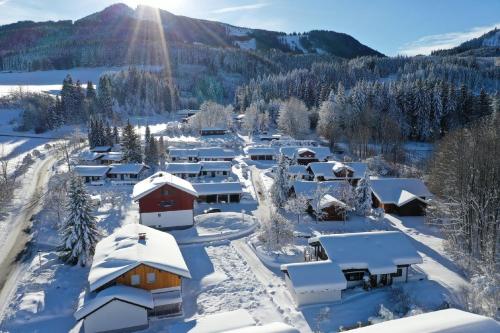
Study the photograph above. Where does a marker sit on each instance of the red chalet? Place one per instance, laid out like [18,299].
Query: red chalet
[165,201]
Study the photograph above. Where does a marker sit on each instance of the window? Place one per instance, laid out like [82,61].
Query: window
[151,277]
[165,191]
[135,279]
[398,273]
[167,203]
[132,176]
[354,276]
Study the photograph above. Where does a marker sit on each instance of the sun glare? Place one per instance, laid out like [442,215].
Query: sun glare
[170,5]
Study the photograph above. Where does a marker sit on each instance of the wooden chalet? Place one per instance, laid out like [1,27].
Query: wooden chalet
[165,201]
[136,273]
[401,196]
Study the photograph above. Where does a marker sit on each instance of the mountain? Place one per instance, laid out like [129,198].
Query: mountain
[120,35]
[488,45]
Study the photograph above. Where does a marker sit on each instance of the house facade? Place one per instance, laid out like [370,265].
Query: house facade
[401,196]
[261,153]
[92,174]
[341,261]
[165,201]
[227,192]
[136,274]
[126,174]
[207,131]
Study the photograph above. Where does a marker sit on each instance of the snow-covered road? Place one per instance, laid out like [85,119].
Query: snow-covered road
[429,243]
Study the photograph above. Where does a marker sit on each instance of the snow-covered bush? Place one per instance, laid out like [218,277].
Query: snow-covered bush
[28,159]
[378,214]
[384,314]
[36,153]
[482,295]
[276,231]
[380,167]
[297,205]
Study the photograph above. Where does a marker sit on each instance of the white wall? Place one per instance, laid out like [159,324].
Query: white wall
[116,315]
[178,218]
[313,297]
[401,278]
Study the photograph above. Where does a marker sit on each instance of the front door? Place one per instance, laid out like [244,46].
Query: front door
[373,281]
[383,279]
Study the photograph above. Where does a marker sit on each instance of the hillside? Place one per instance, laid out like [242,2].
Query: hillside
[120,35]
[487,45]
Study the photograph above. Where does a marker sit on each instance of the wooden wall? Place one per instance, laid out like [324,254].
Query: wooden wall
[151,202]
[163,279]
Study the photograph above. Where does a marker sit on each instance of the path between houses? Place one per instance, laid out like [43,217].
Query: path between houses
[429,243]
[274,286]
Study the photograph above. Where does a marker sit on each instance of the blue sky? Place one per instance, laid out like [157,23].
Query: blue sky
[390,26]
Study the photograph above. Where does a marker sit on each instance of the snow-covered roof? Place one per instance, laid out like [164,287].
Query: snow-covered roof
[213,129]
[127,294]
[305,150]
[122,251]
[187,112]
[307,189]
[442,321]
[101,149]
[89,155]
[327,169]
[315,276]
[183,168]
[218,188]
[260,151]
[127,168]
[91,170]
[328,200]
[339,166]
[379,252]
[275,327]
[182,152]
[399,191]
[216,323]
[297,169]
[153,182]
[113,156]
[215,152]
[321,153]
[215,166]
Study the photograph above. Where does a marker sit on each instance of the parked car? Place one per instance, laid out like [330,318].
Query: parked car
[211,210]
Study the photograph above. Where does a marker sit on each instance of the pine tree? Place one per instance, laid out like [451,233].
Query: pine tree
[116,135]
[147,146]
[152,158]
[363,196]
[131,145]
[104,96]
[79,232]
[108,135]
[161,153]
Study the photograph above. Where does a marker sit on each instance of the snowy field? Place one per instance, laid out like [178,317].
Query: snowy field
[51,81]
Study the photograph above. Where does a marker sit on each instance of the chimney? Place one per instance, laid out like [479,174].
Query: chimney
[142,236]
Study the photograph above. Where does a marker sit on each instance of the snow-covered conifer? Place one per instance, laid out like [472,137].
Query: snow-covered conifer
[131,145]
[363,196]
[79,232]
[279,189]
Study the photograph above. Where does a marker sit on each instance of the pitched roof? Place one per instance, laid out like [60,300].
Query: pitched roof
[390,190]
[322,153]
[442,321]
[218,188]
[127,168]
[326,169]
[315,276]
[297,169]
[215,323]
[215,166]
[215,152]
[276,327]
[182,152]
[328,200]
[153,182]
[128,294]
[307,189]
[183,168]
[89,156]
[101,149]
[112,156]
[379,252]
[91,170]
[122,251]
[260,150]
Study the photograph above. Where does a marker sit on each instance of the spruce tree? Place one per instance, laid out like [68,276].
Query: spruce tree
[108,135]
[152,157]
[161,153]
[79,232]
[363,197]
[279,189]
[131,145]
[147,140]
[116,135]
[104,96]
